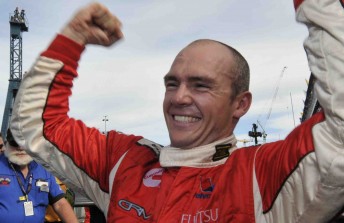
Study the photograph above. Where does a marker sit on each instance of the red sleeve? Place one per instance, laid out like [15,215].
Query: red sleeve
[297,3]
[65,50]
[276,161]
[85,146]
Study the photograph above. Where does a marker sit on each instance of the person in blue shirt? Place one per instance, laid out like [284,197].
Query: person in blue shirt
[26,188]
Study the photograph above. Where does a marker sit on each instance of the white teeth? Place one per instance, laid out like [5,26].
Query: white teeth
[185,118]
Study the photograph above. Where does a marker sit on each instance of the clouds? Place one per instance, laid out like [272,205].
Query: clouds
[130,94]
[125,81]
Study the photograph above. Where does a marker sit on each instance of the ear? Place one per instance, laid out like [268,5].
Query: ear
[243,103]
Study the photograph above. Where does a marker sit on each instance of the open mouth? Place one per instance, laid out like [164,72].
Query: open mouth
[185,119]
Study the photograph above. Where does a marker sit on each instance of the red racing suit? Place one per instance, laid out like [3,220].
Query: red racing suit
[131,179]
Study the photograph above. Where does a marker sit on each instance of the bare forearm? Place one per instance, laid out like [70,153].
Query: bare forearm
[65,211]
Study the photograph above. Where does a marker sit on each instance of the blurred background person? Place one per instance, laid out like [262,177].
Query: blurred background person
[1,144]
[26,188]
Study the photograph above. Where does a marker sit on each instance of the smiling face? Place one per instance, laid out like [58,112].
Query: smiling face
[198,106]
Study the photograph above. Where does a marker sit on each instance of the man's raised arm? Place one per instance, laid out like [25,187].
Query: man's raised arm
[40,120]
[324,47]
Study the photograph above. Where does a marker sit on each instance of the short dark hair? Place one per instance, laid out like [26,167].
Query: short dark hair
[241,69]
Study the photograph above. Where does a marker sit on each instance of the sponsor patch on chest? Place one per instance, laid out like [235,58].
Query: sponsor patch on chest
[206,187]
[153,177]
[4,181]
[132,207]
[201,216]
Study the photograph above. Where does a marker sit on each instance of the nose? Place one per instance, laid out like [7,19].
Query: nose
[18,148]
[182,96]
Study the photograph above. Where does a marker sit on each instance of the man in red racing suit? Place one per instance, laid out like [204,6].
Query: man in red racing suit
[131,179]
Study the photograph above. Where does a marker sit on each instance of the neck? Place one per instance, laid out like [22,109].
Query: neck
[24,169]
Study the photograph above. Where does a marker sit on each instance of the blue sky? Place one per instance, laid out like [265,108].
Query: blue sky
[125,82]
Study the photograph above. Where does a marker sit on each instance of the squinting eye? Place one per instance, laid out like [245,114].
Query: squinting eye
[201,86]
[171,84]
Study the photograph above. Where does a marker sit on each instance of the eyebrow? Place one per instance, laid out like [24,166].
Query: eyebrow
[171,77]
[200,79]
